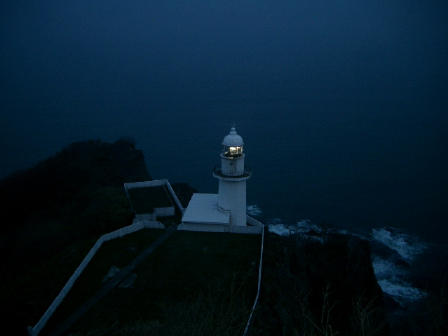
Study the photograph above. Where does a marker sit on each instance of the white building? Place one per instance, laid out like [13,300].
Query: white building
[225,211]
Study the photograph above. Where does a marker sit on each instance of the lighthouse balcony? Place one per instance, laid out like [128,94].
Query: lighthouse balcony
[218,173]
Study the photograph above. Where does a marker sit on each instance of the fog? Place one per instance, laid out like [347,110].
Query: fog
[342,104]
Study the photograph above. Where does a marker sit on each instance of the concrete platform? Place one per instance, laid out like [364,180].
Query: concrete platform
[203,209]
[203,214]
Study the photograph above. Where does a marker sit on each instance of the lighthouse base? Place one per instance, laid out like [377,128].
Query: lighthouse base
[203,214]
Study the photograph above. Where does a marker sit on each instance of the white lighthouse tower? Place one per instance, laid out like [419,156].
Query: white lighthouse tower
[232,177]
[226,210]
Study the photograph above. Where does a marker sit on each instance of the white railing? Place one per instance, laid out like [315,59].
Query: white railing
[260,270]
[154,183]
[34,331]
[175,198]
[136,226]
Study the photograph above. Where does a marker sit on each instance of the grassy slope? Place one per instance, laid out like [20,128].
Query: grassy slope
[144,200]
[195,284]
[311,288]
[51,216]
[27,293]
[118,252]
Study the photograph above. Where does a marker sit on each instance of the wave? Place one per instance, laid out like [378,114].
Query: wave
[386,269]
[254,210]
[304,227]
[392,280]
[279,229]
[406,246]
[402,292]
[390,271]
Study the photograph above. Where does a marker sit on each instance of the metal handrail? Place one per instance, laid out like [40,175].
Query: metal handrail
[260,270]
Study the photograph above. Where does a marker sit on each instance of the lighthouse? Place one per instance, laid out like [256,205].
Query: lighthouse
[226,210]
[232,176]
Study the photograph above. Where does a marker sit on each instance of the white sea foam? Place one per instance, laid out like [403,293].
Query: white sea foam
[401,291]
[385,269]
[406,246]
[304,227]
[279,229]
[391,277]
[254,210]
[348,233]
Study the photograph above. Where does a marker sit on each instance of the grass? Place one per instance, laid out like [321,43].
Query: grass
[194,284]
[145,199]
[28,293]
[118,252]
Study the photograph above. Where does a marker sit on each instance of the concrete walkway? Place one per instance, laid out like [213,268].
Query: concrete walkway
[108,286]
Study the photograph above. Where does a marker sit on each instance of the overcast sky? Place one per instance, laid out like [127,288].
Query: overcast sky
[344,99]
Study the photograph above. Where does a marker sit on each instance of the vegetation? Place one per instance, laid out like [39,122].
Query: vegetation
[316,288]
[115,253]
[439,310]
[204,283]
[429,317]
[194,284]
[76,193]
[144,200]
[53,213]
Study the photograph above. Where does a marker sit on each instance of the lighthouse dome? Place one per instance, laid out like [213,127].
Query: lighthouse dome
[233,139]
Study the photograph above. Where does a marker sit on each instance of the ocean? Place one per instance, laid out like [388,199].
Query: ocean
[356,164]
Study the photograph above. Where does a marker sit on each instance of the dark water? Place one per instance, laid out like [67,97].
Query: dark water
[342,104]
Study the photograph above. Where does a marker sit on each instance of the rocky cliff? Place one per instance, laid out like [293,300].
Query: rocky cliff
[53,212]
[319,285]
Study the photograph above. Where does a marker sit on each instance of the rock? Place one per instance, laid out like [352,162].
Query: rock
[113,271]
[309,286]
[128,282]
